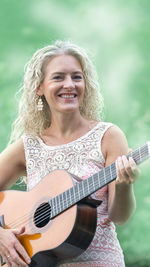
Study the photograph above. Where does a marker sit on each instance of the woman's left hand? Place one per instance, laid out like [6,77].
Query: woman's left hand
[127,171]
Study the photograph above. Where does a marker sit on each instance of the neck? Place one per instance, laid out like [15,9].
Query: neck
[65,124]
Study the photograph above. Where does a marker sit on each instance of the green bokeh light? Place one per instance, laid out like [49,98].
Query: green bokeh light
[117,35]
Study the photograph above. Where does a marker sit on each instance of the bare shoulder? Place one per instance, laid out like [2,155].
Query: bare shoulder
[15,150]
[12,163]
[114,143]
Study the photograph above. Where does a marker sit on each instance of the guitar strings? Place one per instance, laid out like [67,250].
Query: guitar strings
[45,215]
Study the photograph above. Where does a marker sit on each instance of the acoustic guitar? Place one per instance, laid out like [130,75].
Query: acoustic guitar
[59,216]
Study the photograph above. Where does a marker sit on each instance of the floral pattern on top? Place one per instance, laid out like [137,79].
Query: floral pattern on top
[83,158]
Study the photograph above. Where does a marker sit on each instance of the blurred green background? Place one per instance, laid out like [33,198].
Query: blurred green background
[117,35]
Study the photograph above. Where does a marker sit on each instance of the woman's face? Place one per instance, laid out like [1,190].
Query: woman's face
[63,85]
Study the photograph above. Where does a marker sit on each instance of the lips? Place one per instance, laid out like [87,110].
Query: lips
[67,95]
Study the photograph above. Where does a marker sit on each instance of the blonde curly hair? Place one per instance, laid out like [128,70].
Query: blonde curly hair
[30,120]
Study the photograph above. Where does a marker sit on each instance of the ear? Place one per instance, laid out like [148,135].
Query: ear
[39,90]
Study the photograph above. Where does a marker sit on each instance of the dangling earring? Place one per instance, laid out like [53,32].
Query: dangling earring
[40,104]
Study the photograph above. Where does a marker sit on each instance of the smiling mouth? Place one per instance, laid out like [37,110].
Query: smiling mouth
[67,95]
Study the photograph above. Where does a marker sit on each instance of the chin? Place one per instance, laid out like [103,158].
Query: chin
[71,108]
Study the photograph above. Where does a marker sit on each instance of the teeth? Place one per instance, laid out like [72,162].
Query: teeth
[67,96]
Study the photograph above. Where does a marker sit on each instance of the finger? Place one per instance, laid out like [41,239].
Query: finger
[13,259]
[21,250]
[117,170]
[5,256]
[18,231]
[129,150]
[15,265]
[134,168]
[132,163]
[18,249]
[127,166]
[121,168]
[124,170]
[6,260]
[130,169]
[17,260]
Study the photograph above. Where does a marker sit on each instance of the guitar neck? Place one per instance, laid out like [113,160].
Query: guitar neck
[94,182]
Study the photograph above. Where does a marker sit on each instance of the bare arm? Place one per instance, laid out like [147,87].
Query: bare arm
[121,201]
[12,164]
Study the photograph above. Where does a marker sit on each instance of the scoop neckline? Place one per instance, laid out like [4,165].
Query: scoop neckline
[72,142]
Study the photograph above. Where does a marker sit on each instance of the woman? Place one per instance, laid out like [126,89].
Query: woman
[59,115]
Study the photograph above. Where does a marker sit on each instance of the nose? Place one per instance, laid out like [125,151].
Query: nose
[68,82]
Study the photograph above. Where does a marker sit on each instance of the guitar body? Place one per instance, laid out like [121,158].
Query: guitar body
[65,236]
[55,226]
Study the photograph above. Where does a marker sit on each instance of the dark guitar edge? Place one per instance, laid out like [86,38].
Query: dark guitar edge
[79,239]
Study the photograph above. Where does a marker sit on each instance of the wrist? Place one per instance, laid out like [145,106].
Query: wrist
[124,188]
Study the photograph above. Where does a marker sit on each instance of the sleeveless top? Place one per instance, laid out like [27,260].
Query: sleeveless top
[82,157]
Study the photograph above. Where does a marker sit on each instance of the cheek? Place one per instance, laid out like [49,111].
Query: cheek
[83,90]
[82,94]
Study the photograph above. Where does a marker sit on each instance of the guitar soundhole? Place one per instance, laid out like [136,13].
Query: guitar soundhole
[42,215]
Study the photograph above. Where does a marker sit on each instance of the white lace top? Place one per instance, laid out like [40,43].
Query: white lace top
[82,157]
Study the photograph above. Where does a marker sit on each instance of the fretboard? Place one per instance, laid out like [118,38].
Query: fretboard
[95,182]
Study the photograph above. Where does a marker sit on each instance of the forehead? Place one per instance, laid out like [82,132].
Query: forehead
[63,63]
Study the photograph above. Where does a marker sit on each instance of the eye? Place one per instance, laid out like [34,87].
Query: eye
[77,77]
[57,77]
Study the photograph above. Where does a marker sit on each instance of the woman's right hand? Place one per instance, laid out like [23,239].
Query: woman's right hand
[11,249]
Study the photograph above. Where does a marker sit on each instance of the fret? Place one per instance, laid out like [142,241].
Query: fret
[81,189]
[65,199]
[96,181]
[131,155]
[86,187]
[92,177]
[83,183]
[90,182]
[99,178]
[54,211]
[88,190]
[136,156]
[61,202]
[113,171]
[77,192]
[105,180]
[51,202]
[68,197]
[74,196]
[144,152]
[57,204]
[111,177]
[140,154]
[108,173]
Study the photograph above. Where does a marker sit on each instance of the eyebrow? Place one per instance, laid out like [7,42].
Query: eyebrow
[60,72]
